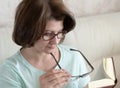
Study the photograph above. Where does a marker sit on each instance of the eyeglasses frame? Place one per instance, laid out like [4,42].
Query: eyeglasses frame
[83,75]
[63,32]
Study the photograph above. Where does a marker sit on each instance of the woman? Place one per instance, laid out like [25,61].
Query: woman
[42,62]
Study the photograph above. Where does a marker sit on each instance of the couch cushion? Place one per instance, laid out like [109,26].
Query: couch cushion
[97,36]
[88,7]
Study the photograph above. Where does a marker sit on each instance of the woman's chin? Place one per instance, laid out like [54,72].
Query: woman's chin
[50,49]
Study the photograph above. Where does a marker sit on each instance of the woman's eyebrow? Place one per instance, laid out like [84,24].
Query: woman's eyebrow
[53,31]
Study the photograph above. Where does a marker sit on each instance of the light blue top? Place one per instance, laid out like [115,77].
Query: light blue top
[16,72]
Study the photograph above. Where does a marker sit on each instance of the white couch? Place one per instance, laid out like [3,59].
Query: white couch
[96,36]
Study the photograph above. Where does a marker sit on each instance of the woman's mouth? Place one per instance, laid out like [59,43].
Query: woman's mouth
[51,46]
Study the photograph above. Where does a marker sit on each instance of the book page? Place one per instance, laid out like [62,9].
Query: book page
[108,68]
[101,83]
[109,73]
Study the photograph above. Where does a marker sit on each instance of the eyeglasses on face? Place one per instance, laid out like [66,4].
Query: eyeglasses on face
[77,76]
[49,36]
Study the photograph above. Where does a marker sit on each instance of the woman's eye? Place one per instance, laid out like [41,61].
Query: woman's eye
[48,34]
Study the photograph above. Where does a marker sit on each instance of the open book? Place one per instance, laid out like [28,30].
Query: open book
[110,79]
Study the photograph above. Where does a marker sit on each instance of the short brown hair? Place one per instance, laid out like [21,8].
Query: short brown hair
[32,16]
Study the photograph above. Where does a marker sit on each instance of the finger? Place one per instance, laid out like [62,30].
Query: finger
[56,75]
[49,76]
[60,82]
[55,78]
[51,72]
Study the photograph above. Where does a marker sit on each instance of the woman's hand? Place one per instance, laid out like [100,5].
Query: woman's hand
[54,79]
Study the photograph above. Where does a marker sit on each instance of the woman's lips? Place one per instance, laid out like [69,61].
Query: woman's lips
[51,46]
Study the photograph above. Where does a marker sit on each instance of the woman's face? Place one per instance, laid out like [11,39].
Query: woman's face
[53,26]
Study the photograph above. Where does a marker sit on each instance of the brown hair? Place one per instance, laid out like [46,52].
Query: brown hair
[31,18]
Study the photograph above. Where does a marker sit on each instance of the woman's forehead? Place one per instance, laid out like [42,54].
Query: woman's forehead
[54,25]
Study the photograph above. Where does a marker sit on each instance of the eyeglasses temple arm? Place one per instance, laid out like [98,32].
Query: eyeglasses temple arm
[84,58]
[55,60]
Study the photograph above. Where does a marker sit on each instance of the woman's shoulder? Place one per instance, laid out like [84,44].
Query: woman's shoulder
[11,61]
[9,72]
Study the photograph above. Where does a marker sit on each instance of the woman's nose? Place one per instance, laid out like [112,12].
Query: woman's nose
[55,40]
